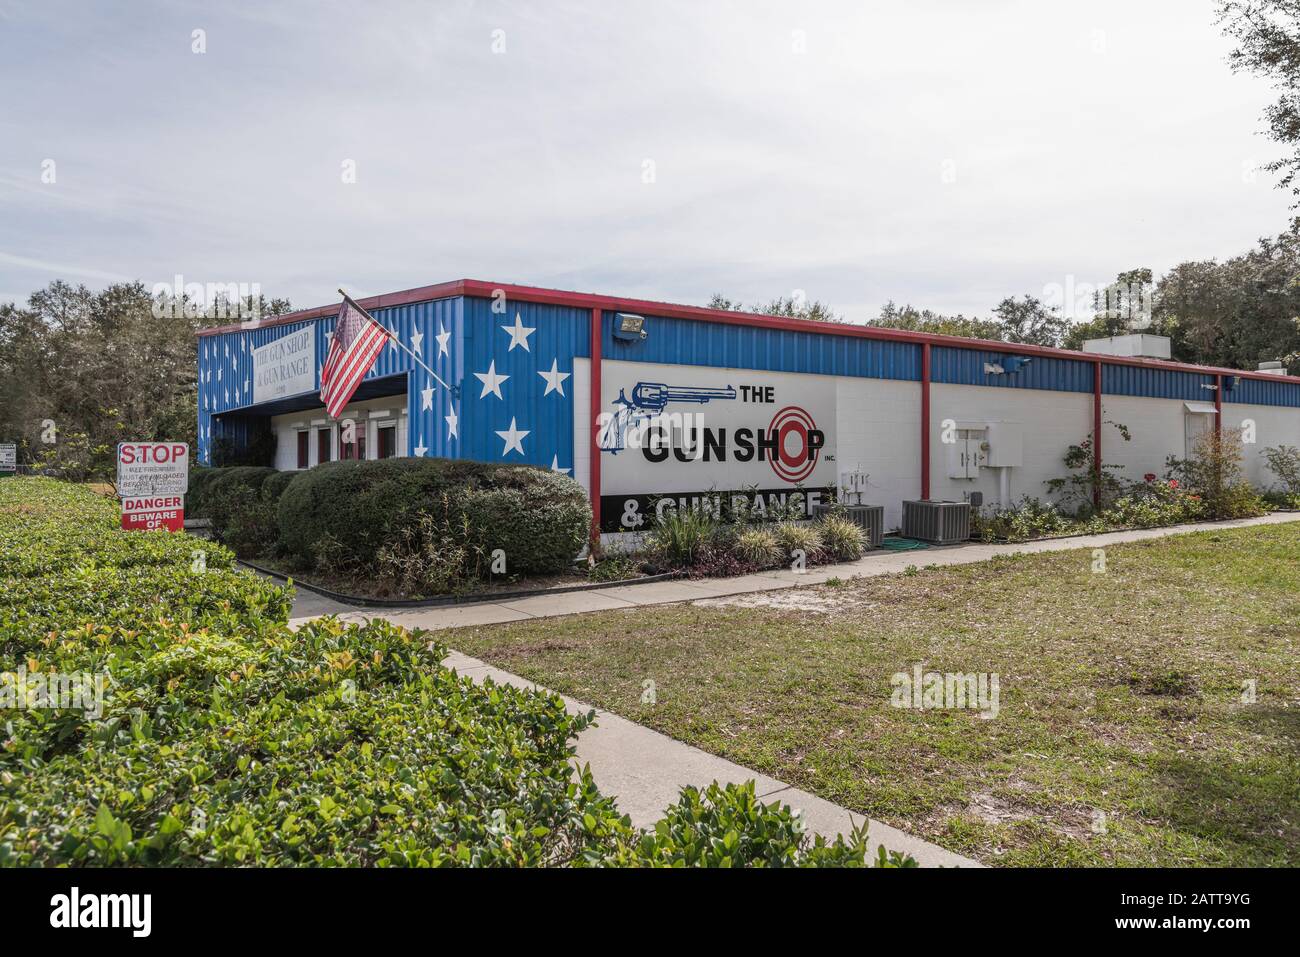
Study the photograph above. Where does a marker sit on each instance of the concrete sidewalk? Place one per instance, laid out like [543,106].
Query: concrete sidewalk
[645,770]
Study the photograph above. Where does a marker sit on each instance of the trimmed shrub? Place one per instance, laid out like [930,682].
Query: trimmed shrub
[728,827]
[275,485]
[843,539]
[350,510]
[226,739]
[241,516]
[794,537]
[196,502]
[757,546]
[679,535]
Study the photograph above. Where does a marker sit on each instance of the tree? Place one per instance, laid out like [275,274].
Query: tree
[1027,320]
[789,307]
[1239,312]
[925,320]
[1267,33]
[1127,305]
[82,370]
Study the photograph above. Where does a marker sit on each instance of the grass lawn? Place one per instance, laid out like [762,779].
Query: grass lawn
[1122,737]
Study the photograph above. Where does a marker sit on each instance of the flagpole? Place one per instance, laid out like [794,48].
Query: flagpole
[393,338]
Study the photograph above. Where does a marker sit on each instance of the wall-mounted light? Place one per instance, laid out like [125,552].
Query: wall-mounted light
[1008,365]
[629,327]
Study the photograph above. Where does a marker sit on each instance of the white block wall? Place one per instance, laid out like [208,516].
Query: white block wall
[879,432]
[1273,425]
[1158,430]
[389,409]
[1051,422]
[582,422]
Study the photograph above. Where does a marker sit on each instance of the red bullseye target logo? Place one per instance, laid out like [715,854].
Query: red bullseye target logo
[791,426]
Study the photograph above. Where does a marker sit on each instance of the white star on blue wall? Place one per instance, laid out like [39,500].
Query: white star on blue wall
[491,381]
[519,334]
[514,439]
[554,379]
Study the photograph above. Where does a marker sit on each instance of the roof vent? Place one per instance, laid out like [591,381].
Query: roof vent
[1136,346]
[1272,367]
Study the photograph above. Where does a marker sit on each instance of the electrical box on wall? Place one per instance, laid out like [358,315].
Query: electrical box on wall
[1006,445]
[969,452]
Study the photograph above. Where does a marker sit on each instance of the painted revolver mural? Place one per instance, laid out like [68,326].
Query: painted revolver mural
[650,399]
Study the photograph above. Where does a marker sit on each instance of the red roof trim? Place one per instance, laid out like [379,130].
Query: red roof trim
[585,300]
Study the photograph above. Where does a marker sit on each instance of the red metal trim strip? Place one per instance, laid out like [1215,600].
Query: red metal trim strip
[1096,434]
[925,421]
[1218,406]
[593,474]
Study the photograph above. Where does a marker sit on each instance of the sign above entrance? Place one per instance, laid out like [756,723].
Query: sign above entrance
[285,367]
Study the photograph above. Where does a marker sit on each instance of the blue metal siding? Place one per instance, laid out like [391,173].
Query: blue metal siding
[1263,392]
[955,366]
[1155,383]
[696,342]
[560,334]
[226,369]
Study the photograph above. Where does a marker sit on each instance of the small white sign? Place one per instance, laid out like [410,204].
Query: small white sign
[8,457]
[146,469]
[285,367]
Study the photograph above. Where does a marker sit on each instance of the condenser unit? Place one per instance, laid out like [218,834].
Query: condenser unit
[943,523]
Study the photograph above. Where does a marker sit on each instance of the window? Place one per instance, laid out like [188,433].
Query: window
[387,441]
[323,448]
[303,448]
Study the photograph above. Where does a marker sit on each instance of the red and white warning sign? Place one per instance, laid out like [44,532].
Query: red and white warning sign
[152,478]
[152,468]
[150,513]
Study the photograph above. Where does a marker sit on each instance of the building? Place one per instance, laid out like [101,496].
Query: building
[650,405]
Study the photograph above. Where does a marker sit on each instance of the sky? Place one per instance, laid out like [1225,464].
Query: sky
[943,153]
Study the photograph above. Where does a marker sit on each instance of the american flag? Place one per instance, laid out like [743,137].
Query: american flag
[357,342]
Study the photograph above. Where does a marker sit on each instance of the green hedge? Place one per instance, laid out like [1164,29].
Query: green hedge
[241,517]
[227,739]
[538,517]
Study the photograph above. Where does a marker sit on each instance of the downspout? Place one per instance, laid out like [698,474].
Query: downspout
[925,421]
[593,481]
[1096,434]
[1218,407]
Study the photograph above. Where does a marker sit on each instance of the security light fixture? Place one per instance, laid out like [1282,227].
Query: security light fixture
[629,327]
[1007,365]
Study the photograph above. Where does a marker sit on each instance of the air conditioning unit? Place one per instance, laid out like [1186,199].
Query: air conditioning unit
[871,518]
[942,523]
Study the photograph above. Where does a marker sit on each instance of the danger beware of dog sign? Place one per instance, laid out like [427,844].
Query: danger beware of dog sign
[154,512]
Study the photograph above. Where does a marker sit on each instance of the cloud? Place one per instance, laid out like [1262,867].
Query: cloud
[941,153]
